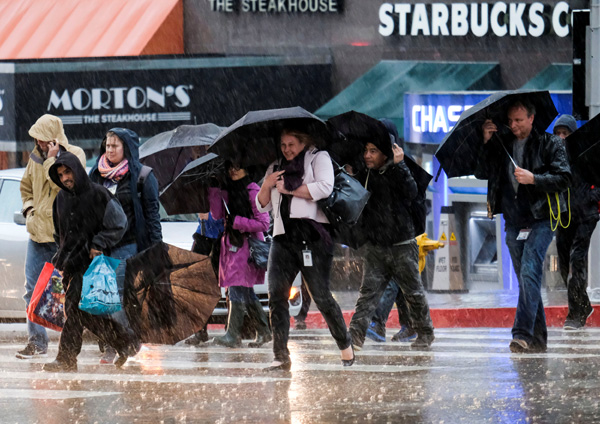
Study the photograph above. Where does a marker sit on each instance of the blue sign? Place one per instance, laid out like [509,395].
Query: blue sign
[429,117]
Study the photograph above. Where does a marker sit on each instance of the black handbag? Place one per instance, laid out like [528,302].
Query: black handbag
[259,252]
[347,200]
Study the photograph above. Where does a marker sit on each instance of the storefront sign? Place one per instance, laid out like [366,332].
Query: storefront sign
[150,97]
[500,19]
[276,6]
[429,117]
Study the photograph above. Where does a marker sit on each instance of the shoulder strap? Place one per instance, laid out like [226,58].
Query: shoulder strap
[144,172]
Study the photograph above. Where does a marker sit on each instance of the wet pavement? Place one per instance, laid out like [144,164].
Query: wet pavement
[467,376]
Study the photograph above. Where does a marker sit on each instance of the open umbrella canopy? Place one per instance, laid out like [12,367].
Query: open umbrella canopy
[170,293]
[253,140]
[358,129]
[460,148]
[583,147]
[169,152]
[188,193]
[352,131]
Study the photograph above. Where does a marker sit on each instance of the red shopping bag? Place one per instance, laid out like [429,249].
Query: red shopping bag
[48,300]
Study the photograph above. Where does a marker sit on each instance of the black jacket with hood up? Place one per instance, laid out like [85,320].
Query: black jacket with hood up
[386,219]
[84,218]
[144,206]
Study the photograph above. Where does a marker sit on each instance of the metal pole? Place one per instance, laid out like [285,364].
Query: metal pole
[594,58]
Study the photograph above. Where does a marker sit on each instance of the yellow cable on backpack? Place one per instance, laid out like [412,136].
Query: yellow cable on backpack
[557,217]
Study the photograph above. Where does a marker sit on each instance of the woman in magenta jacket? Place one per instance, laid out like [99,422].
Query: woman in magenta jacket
[235,202]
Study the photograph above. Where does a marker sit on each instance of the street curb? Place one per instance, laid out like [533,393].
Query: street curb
[468,317]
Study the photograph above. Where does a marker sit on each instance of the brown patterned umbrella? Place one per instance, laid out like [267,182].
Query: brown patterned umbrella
[170,293]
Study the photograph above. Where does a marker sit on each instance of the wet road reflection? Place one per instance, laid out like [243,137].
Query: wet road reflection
[468,376]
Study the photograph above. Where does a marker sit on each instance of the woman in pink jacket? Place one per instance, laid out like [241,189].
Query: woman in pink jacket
[236,203]
[301,240]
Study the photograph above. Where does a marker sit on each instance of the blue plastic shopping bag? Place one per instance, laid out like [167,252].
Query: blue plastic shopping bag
[100,292]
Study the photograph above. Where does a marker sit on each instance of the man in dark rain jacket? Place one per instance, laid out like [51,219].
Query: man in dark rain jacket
[88,221]
[391,252]
[523,194]
[573,242]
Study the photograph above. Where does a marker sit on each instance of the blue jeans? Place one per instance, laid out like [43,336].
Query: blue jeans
[37,255]
[528,260]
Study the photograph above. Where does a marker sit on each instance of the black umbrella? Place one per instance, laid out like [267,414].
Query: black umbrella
[355,131]
[254,139]
[169,152]
[170,293]
[583,147]
[460,148]
[188,193]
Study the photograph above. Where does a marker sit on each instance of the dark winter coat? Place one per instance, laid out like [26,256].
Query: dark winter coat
[386,219]
[145,228]
[584,199]
[544,155]
[87,217]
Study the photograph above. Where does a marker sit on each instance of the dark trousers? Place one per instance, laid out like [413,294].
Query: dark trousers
[400,264]
[573,244]
[391,294]
[306,300]
[107,330]
[528,260]
[285,261]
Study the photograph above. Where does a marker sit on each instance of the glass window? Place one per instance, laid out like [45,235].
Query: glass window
[10,200]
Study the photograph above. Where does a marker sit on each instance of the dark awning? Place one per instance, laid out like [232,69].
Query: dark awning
[555,77]
[380,92]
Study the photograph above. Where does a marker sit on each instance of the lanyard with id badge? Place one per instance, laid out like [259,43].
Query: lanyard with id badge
[524,234]
[307,256]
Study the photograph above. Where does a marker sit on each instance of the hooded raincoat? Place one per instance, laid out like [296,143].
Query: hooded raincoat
[37,189]
[141,205]
[84,218]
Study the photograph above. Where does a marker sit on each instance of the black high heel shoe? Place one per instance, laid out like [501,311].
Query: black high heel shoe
[283,366]
[349,362]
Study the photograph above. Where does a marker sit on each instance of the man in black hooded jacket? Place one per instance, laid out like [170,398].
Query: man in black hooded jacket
[391,252]
[88,221]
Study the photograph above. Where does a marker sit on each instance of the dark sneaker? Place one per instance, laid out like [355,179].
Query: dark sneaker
[519,346]
[357,343]
[299,324]
[199,337]
[572,325]
[375,333]
[588,313]
[60,366]
[32,351]
[422,341]
[120,361]
[406,334]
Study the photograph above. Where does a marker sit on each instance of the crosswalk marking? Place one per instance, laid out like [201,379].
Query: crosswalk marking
[51,394]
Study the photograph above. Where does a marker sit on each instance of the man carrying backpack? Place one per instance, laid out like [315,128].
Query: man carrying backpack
[391,251]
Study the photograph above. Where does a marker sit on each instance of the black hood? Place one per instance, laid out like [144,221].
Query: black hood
[82,181]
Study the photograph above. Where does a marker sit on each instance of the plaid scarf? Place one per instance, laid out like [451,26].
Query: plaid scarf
[112,172]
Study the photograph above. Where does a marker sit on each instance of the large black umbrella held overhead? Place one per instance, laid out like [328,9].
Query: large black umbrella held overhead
[188,193]
[460,148]
[254,139]
[169,152]
[583,147]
